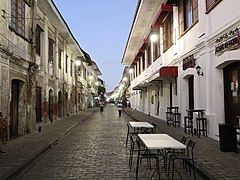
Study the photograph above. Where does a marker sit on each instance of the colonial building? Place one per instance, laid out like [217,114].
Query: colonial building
[185,53]
[39,80]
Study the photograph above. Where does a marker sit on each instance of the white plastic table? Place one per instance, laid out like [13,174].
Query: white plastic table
[140,124]
[160,142]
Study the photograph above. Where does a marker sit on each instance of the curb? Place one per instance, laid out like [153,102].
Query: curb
[17,170]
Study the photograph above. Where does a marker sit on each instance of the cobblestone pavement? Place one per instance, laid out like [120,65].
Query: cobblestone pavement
[210,161]
[93,149]
[90,145]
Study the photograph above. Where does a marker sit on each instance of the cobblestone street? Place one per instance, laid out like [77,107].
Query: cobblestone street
[91,145]
[94,149]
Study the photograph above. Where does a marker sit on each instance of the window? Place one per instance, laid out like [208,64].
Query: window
[139,65]
[210,4]
[84,73]
[66,69]
[18,16]
[156,47]
[59,58]
[50,50]
[143,60]
[38,40]
[71,68]
[149,57]
[187,14]
[168,31]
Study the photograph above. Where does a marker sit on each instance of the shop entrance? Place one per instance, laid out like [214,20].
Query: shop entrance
[232,92]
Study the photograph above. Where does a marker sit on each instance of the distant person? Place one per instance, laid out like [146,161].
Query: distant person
[101,106]
[129,104]
[119,107]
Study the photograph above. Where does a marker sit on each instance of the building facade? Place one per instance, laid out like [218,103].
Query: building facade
[39,80]
[182,54]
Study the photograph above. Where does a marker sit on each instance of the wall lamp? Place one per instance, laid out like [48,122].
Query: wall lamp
[198,68]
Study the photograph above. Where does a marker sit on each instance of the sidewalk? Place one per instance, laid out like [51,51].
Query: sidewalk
[24,149]
[211,163]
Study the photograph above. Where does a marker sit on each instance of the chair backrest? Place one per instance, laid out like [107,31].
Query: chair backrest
[155,127]
[128,126]
[184,139]
[190,147]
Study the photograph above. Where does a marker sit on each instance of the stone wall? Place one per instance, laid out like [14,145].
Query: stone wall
[3,129]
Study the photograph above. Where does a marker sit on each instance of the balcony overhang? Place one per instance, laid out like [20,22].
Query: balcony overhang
[168,71]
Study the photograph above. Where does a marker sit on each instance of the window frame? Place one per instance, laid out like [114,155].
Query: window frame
[38,40]
[156,47]
[149,55]
[50,50]
[18,16]
[182,19]
[168,31]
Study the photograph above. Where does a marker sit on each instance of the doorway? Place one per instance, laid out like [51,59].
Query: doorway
[191,92]
[50,105]
[14,107]
[232,92]
[38,108]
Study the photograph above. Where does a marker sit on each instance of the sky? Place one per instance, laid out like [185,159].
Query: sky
[101,27]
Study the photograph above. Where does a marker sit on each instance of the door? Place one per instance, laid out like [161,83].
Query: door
[14,108]
[38,108]
[59,104]
[232,93]
[50,106]
[191,92]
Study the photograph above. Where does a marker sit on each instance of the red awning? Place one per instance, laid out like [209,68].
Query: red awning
[168,71]
[170,2]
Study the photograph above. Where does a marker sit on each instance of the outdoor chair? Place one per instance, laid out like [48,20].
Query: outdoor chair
[130,132]
[150,130]
[144,153]
[187,158]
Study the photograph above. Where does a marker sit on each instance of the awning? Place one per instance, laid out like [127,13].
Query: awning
[168,71]
[170,2]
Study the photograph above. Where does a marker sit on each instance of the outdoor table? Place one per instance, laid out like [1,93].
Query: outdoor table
[199,111]
[173,108]
[161,143]
[140,125]
[201,122]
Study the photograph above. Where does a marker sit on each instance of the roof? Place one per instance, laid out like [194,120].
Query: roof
[145,15]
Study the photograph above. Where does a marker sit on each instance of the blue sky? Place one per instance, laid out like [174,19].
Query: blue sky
[101,27]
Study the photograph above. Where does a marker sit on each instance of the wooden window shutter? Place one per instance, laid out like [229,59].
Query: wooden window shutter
[181,16]
[210,4]
[195,11]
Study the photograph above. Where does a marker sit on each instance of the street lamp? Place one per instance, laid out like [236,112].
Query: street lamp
[154,37]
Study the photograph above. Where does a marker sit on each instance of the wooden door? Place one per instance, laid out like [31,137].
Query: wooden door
[14,108]
[232,92]
[191,92]
[38,108]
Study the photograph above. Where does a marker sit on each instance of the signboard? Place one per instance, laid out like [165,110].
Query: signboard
[228,41]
